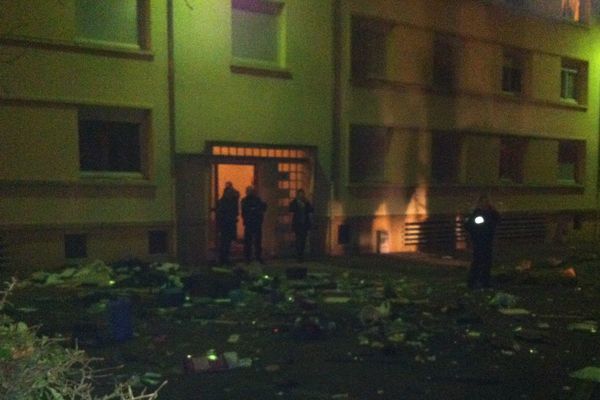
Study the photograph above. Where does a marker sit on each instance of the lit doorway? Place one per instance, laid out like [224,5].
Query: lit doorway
[241,176]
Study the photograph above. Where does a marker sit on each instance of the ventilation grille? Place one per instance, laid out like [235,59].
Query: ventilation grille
[448,232]
[522,228]
[439,232]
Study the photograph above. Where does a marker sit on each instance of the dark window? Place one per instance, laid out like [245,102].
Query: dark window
[444,63]
[344,234]
[158,242]
[570,155]
[75,246]
[512,156]
[369,48]
[109,146]
[512,73]
[368,149]
[445,155]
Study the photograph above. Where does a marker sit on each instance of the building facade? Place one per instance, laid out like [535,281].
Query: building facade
[121,121]
[439,101]
[85,170]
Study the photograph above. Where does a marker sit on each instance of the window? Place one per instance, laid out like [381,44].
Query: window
[512,156]
[444,62]
[112,140]
[515,3]
[570,9]
[512,73]
[573,81]
[123,22]
[368,148]
[445,156]
[257,31]
[570,156]
[75,246]
[158,242]
[369,47]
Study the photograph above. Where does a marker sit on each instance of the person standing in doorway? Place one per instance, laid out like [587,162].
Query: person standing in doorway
[301,221]
[227,215]
[253,212]
[481,226]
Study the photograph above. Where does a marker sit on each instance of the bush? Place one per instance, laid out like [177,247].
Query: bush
[34,367]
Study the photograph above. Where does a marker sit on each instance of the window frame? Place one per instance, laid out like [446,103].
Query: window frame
[515,148]
[141,117]
[577,147]
[143,31]
[451,141]
[363,53]
[513,61]
[577,69]
[277,9]
[446,49]
[360,169]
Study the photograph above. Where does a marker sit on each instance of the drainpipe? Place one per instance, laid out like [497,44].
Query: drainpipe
[336,162]
[171,111]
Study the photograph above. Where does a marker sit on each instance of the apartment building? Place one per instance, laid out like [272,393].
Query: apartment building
[439,101]
[121,121]
[254,100]
[85,165]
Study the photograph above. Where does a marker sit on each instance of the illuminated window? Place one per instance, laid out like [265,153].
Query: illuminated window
[112,140]
[570,165]
[512,156]
[257,30]
[573,81]
[368,149]
[113,21]
[512,73]
[445,156]
[445,52]
[369,47]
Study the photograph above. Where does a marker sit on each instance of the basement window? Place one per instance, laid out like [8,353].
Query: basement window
[75,246]
[158,242]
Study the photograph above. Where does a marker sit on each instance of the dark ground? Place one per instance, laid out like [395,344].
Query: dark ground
[452,343]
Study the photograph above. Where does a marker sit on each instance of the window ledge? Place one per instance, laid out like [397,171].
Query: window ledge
[384,83]
[259,68]
[119,50]
[23,183]
[440,189]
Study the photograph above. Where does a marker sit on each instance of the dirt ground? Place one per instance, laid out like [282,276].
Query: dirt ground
[332,335]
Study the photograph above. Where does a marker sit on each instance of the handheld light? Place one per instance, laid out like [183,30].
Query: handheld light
[479,220]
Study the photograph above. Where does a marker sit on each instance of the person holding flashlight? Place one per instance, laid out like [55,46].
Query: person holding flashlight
[481,226]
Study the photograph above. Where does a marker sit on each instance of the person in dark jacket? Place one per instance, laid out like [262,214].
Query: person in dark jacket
[253,212]
[481,226]
[301,221]
[227,215]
